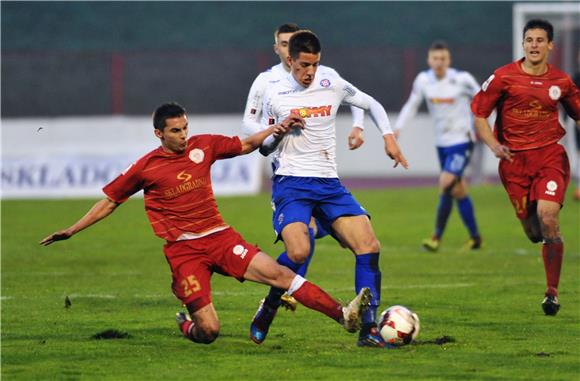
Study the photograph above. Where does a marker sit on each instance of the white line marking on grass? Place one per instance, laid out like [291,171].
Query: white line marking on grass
[93,296]
[245,292]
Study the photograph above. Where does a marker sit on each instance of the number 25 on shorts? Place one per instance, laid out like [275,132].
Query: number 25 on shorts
[190,285]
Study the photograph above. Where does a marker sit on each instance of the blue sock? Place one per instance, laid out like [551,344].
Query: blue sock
[443,212]
[273,298]
[368,274]
[468,216]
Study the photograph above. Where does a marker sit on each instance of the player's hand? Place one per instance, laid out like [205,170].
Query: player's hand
[355,138]
[394,152]
[292,121]
[503,152]
[56,236]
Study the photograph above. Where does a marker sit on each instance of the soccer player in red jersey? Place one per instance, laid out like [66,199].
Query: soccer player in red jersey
[534,168]
[181,208]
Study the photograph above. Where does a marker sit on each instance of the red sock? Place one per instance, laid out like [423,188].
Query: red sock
[185,328]
[553,254]
[313,297]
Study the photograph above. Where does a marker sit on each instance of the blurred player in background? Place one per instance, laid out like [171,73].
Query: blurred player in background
[534,168]
[182,210]
[253,122]
[305,181]
[448,93]
[577,136]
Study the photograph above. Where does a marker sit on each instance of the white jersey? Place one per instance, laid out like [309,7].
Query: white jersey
[311,152]
[448,100]
[253,117]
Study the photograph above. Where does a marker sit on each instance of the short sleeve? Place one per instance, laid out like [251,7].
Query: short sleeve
[571,101]
[486,99]
[225,147]
[125,185]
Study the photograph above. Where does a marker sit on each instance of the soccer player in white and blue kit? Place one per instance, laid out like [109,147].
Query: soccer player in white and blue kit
[448,93]
[305,179]
[254,121]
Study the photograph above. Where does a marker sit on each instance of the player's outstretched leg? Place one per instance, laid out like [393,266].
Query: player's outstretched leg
[265,270]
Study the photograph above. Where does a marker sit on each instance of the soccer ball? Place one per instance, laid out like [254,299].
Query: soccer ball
[399,325]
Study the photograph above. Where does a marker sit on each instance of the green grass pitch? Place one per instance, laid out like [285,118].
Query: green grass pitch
[116,277]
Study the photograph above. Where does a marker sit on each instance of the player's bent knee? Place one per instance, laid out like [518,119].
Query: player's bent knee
[207,333]
[371,245]
[299,254]
[534,238]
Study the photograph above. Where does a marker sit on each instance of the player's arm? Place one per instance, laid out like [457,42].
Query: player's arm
[410,107]
[378,115]
[571,103]
[252,142]
[100,210]
[251,120]
[356,137]
[482,106]
[485,133]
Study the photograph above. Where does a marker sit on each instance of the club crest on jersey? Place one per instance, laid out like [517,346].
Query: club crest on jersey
[325,83]
[551,187]
[312,112]
[554,92]
[240,251]
[196,155]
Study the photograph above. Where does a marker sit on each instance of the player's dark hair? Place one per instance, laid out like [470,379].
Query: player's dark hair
[304,42]
[438,45]
[540,24]
[286,28]
[166,111]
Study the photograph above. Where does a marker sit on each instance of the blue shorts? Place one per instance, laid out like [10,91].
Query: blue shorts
[454,159]
[296,199]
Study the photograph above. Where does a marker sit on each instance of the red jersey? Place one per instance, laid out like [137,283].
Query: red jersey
[527,105]
[179,198]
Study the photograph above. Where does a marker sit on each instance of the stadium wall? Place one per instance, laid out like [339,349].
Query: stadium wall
[75,157]
[123,58]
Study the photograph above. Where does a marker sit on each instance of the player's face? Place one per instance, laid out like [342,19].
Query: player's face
[439,61]
[281,48]
[174,135]
[304,67]
[536,46]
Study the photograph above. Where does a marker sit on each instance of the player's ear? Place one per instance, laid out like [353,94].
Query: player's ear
[289,60]
[275,48]
[158,133]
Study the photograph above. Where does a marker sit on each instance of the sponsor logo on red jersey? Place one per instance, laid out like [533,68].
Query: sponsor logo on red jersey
[534,111]
[187,185]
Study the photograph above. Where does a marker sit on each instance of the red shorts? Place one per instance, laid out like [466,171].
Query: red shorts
[538,174]
[193,262]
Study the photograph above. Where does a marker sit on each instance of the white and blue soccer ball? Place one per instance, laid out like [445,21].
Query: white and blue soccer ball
[399,325]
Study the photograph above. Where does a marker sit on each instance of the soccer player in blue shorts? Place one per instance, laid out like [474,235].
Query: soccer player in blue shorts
[448,93]
[305,181]
[253,122]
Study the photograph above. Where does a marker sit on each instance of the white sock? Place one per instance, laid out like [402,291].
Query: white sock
[297,282]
